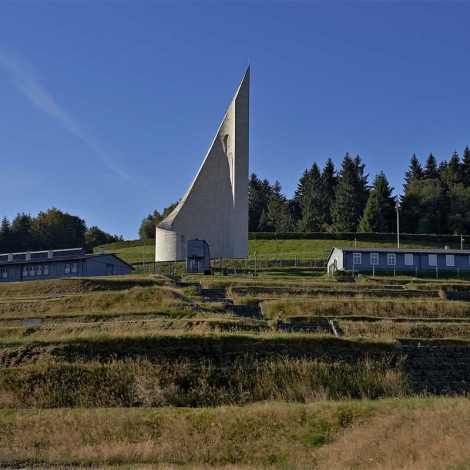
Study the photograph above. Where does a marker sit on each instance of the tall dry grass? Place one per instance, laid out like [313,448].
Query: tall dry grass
[387,329]
[412,434]
[382,308]
[416,437]
[114,328]
[186,384]
[136,298]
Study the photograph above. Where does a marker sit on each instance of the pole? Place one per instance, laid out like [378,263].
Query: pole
[255,263]
[397,207]
[143,258]
[461,242]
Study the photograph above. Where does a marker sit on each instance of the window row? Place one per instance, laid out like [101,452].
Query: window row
[409,260]
[374,259]
[43,270]
[37,270]
[71,268]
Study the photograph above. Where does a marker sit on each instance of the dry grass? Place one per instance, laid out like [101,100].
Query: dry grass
[381,308]
[54,330]
[138,298]
[387,329]
[182,383]
[413,434]
[11,290]
[432,437]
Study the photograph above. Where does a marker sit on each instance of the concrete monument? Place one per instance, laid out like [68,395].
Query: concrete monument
[215,207]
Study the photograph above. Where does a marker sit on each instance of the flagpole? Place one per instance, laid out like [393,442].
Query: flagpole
[397,207]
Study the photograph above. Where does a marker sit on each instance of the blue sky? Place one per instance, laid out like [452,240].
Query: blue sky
[108,108]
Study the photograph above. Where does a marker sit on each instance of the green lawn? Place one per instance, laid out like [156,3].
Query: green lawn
[275,249]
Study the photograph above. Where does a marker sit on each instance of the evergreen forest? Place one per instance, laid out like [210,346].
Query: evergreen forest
[435,199]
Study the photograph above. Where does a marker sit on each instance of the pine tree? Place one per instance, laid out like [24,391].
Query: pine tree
[425,208]
[329,183]
[5,235]
[22,233]
[414,173]
[459,209]
[255,202]
[278,216]
[466,166]
[379,213]
[453,172]
[351,195]
[309,197]
[430,167]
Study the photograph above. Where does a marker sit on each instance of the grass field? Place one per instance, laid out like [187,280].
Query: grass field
[416,433]
[304,250]
[149,372]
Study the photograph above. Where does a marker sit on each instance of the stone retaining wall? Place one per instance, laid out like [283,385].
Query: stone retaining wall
[438,369]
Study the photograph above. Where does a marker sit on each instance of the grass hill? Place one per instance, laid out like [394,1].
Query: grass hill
[137,251]
[235,372]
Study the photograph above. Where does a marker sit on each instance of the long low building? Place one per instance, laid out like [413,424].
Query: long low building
[397,259]
[55,264]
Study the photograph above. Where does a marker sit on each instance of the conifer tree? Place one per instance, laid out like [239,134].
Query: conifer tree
[259,195]
[22,233]
[309,197]
[5,235]
[453,172]
[350,195]
[278,216]
[430,167]
[415,172]
[379,213]
[329,182]
[466,166]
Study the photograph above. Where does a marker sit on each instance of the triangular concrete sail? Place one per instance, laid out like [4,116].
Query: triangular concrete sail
[215,207]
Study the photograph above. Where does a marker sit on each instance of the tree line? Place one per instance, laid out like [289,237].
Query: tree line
[49,230]
[435,200]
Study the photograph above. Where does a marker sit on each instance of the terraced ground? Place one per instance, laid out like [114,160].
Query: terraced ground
[278,370]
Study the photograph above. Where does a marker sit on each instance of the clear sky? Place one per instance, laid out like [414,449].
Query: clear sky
[108,108]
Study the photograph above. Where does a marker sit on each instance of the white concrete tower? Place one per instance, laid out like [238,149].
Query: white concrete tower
[215,207]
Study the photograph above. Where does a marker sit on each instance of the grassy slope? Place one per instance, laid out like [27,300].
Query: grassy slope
[272,249]
[412,434]
[102,343]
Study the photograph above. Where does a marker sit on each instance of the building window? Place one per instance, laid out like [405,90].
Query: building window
[408,259]
[25,271]
[67,268]
[4,272]
[450,260]
[32,272]
[374,259]
[432,260]
[46,270]
[391,259]
[74,267]
[357,258]
[39,270]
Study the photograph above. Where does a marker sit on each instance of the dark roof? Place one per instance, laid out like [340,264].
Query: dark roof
[437,251]
[71,254]
[97,255]
[42,255]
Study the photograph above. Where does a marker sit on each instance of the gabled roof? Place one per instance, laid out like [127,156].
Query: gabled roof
[69,254]
[436,251]
[426,251]
[97,255]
